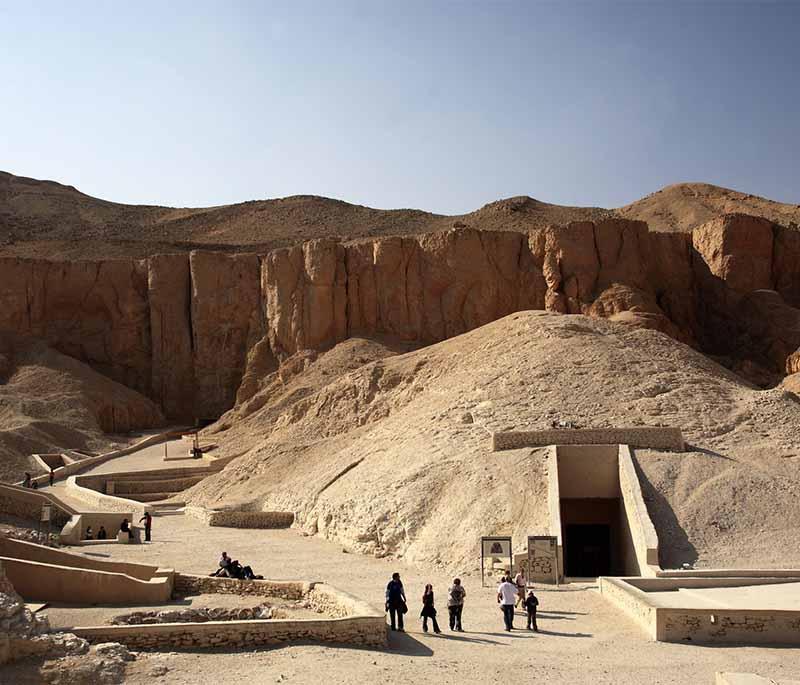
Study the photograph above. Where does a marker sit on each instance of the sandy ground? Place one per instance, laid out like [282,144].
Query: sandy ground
[582,638]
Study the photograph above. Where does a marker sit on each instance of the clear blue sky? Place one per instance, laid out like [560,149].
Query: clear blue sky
[438,105]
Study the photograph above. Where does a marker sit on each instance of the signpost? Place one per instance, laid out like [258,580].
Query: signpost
[495,548]
[45,517]
[544,548]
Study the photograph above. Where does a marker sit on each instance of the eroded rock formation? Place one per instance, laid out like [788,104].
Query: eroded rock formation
[180,328]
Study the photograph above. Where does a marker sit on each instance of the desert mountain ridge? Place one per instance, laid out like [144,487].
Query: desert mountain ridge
[46,219]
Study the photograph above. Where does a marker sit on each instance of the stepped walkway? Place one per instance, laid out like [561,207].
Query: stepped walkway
[149,458]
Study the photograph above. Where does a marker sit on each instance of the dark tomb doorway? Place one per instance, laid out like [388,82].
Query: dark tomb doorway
[588,550]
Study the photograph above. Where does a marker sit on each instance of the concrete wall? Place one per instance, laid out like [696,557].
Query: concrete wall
[632,601]
[588,471]
[28,551]
[703,626]
[737,626]
[654,437]
[36,581]
[242,519]
[27,504]
[78,466]
[605,472]
[75,530]
[147,486]
[99,500]
[641,548]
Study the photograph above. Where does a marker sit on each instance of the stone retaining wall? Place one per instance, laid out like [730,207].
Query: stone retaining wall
[360,630]
[738,626]
[131,487]
[186,584]
[653,437]
[242,519]
[27,504]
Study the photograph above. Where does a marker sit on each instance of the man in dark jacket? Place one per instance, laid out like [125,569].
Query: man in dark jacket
[396,602]
[530,605]
[148,524]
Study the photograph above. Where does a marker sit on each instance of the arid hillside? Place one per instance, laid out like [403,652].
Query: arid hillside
[50,402]
[390,454]
[45,219]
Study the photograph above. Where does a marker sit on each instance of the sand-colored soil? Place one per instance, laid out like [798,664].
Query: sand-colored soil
[50,402]
[394,457]
[582,639]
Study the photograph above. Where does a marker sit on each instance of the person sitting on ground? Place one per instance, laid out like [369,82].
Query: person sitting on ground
[224,563]
[125,527]
[455,604]
[231,568]
[530,605]
[89,533]
[428,610]
[35,485]
[101,534]
[236,570]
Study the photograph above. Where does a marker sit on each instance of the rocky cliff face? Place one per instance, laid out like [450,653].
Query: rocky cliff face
[179,328]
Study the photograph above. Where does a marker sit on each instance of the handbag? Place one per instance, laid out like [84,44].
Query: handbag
[403,608]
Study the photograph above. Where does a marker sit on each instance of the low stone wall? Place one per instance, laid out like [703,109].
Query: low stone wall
[36,581]
[186,584]
[653,437]
[702,626]
[241,519]
[360,630]
[103,502]
[142,486]
[631,601]
[27,504]
[736,626]
[29,551]
[51,460]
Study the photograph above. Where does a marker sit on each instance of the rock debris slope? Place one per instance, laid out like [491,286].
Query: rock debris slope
[50,402]
[390,453]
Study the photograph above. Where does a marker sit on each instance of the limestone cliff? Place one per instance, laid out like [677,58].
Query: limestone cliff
[179,327]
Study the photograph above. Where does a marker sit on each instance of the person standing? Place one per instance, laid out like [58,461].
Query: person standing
[506,596]
[455,604]
[148,524]
[522,584]
[530,605]
[396,602]
[27,482]
[429,610]
[89,533]
[52,477]
[101,534]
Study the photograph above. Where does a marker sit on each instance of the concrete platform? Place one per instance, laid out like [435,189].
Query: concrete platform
[780,596]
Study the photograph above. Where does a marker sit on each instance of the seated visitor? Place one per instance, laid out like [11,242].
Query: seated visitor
[224,563]
[101,534]
[89,533]
[231,568]
[125,527]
